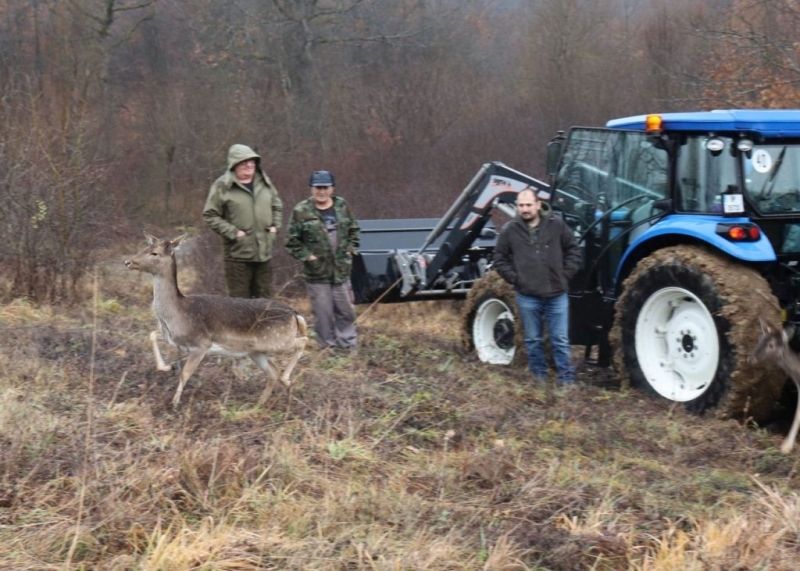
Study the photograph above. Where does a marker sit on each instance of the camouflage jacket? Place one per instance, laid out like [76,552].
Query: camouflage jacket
[307,235]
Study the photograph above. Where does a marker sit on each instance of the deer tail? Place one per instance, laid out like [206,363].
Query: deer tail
[302,327]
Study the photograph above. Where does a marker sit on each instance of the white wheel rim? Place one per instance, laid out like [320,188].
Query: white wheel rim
[486,316]
[677,344]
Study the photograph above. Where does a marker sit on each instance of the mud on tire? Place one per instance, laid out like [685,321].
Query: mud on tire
[491,287]
[690,303]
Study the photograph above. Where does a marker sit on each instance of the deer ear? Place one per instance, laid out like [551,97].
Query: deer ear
[767,327]
[151,240]
[173,244]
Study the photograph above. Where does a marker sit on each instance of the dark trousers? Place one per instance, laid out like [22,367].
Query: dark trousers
[248,279]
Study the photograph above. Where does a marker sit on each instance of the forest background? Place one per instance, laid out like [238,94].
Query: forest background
[118,113]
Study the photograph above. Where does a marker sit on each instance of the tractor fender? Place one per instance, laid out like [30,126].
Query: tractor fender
[700,229]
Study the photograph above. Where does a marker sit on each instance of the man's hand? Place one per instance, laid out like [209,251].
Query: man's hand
[240,233]
[311,258]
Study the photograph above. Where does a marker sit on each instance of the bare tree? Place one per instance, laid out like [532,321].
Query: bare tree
[755,58]
[53,165]
[405,98]
[55,215]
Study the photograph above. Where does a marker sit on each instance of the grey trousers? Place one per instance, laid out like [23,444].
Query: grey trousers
[334,314]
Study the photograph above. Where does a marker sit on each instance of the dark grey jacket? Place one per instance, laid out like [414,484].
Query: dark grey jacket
[542,268]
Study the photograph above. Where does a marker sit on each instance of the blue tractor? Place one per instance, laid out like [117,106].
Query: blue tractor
[690,228]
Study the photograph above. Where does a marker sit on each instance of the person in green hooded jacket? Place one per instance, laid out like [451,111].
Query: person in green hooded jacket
[324,235]
[244,208]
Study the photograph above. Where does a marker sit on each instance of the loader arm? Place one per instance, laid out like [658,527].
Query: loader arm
[494,185]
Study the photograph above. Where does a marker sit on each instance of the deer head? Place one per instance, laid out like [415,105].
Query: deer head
[772,344]
[152,258]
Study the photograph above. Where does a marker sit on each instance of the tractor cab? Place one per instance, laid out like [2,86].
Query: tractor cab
[725,180]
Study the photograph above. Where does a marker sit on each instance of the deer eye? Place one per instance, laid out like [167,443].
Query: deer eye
[154,253]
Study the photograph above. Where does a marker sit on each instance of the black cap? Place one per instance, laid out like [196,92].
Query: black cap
[322,178]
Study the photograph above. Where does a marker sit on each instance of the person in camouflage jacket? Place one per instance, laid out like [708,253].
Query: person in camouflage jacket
[244,208]
[324,235]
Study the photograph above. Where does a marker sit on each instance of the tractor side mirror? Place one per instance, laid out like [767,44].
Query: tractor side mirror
[554,148]
[665,205]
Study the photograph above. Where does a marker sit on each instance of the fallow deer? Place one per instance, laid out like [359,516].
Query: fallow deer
[773,345]
[213,324]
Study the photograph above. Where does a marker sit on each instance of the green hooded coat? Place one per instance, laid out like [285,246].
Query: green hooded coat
[231,207]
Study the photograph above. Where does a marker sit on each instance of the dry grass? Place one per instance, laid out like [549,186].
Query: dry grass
[409,456]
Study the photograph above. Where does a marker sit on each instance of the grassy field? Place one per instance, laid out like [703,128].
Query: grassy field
[410,455]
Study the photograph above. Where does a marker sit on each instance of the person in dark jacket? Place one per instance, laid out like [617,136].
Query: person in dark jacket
[324,235]
[244,208]
[537,253]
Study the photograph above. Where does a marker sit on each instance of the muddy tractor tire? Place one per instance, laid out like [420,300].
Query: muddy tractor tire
[491,322]
[684,325]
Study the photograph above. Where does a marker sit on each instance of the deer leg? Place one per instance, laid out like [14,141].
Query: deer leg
[788,444]
[265,365]
[160,364]
[194,359]
[292,362]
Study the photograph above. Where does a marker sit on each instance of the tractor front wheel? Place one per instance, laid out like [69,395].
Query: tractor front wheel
[491,322]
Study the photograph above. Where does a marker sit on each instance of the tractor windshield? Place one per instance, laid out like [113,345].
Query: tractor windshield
[605,188]
[611,175]
[772,178]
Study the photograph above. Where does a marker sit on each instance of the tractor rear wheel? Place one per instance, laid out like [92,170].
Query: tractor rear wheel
[685,324]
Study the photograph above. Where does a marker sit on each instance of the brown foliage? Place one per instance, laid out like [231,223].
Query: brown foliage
[134,104]
[753,62]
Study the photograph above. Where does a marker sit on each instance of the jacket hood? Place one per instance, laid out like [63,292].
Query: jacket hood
[545,209]
[239,153]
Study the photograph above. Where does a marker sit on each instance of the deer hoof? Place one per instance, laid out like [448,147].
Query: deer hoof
[264,397]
